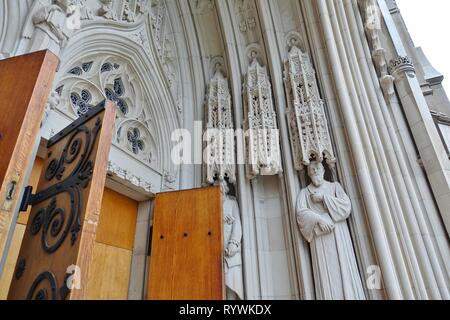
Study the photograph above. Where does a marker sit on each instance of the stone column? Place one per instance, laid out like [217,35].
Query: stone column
[364,162]
[431,149]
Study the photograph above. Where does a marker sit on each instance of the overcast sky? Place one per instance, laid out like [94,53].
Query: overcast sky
[429,25]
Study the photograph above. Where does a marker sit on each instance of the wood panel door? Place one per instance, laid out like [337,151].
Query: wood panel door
[113,250]
[19,232]
[187,247]
[25,84]
[57,249]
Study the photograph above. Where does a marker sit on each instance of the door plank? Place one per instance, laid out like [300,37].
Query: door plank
[59,240]
[187,246]
[117,226]
[25,84]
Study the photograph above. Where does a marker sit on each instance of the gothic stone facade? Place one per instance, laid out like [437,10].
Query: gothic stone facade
[339,81]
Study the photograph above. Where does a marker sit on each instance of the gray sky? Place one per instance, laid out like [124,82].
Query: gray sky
[429,25]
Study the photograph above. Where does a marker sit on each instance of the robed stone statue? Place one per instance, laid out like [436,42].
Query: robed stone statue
[232,245]
[322,210]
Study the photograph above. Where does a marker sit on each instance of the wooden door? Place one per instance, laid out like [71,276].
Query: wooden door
[113,249]
[19,231]
[57,249]
[25,84]
[187,247]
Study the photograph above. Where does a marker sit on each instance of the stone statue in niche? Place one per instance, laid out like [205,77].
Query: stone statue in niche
[106,10]
[232,245]
[128,13]
[52,103]
[85,12]
[322,211]
[51,27]
[142,6]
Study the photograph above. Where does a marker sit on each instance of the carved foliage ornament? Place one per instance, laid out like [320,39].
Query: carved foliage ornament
[219,131]
[124,11]
[262,135]
[115,170]
[309,133]
[401,64]
[163,38]
[246,12]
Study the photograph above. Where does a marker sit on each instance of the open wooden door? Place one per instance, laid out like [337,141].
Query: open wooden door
[25,84]
[58,244]
[187,246]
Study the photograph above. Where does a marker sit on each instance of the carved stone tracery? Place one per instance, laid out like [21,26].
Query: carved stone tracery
[309,133]
[125,11]
[93,79]
[163,38]
[219,131]
[262,135]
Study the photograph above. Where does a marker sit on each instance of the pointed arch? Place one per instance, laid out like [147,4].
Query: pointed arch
[104,61]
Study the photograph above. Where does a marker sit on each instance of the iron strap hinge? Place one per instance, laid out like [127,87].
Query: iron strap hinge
[27,199]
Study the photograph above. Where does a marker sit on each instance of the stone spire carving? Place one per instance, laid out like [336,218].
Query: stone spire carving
[262,135]
[220,154]
[310,136]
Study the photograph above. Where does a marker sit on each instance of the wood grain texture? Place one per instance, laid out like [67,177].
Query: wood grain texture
[187,246]
[94,201]
[13,253]
[117,226]
[34,180]
[80,252]
[110,273]
[25,84]
[5,280]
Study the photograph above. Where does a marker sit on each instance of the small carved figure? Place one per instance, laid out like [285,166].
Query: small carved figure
[232,245]
[128,13]
[106,11]
[85,12]
[51,26]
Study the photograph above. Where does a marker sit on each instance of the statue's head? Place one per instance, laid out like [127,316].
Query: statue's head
[316,172]
[223,186]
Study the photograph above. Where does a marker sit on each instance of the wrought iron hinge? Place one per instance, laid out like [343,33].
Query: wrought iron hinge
[27,199]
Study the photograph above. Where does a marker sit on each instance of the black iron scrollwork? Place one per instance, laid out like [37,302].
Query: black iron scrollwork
[45,278]
[64,290]
[55,222]
[67,174]
[20,269]
[45,287]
